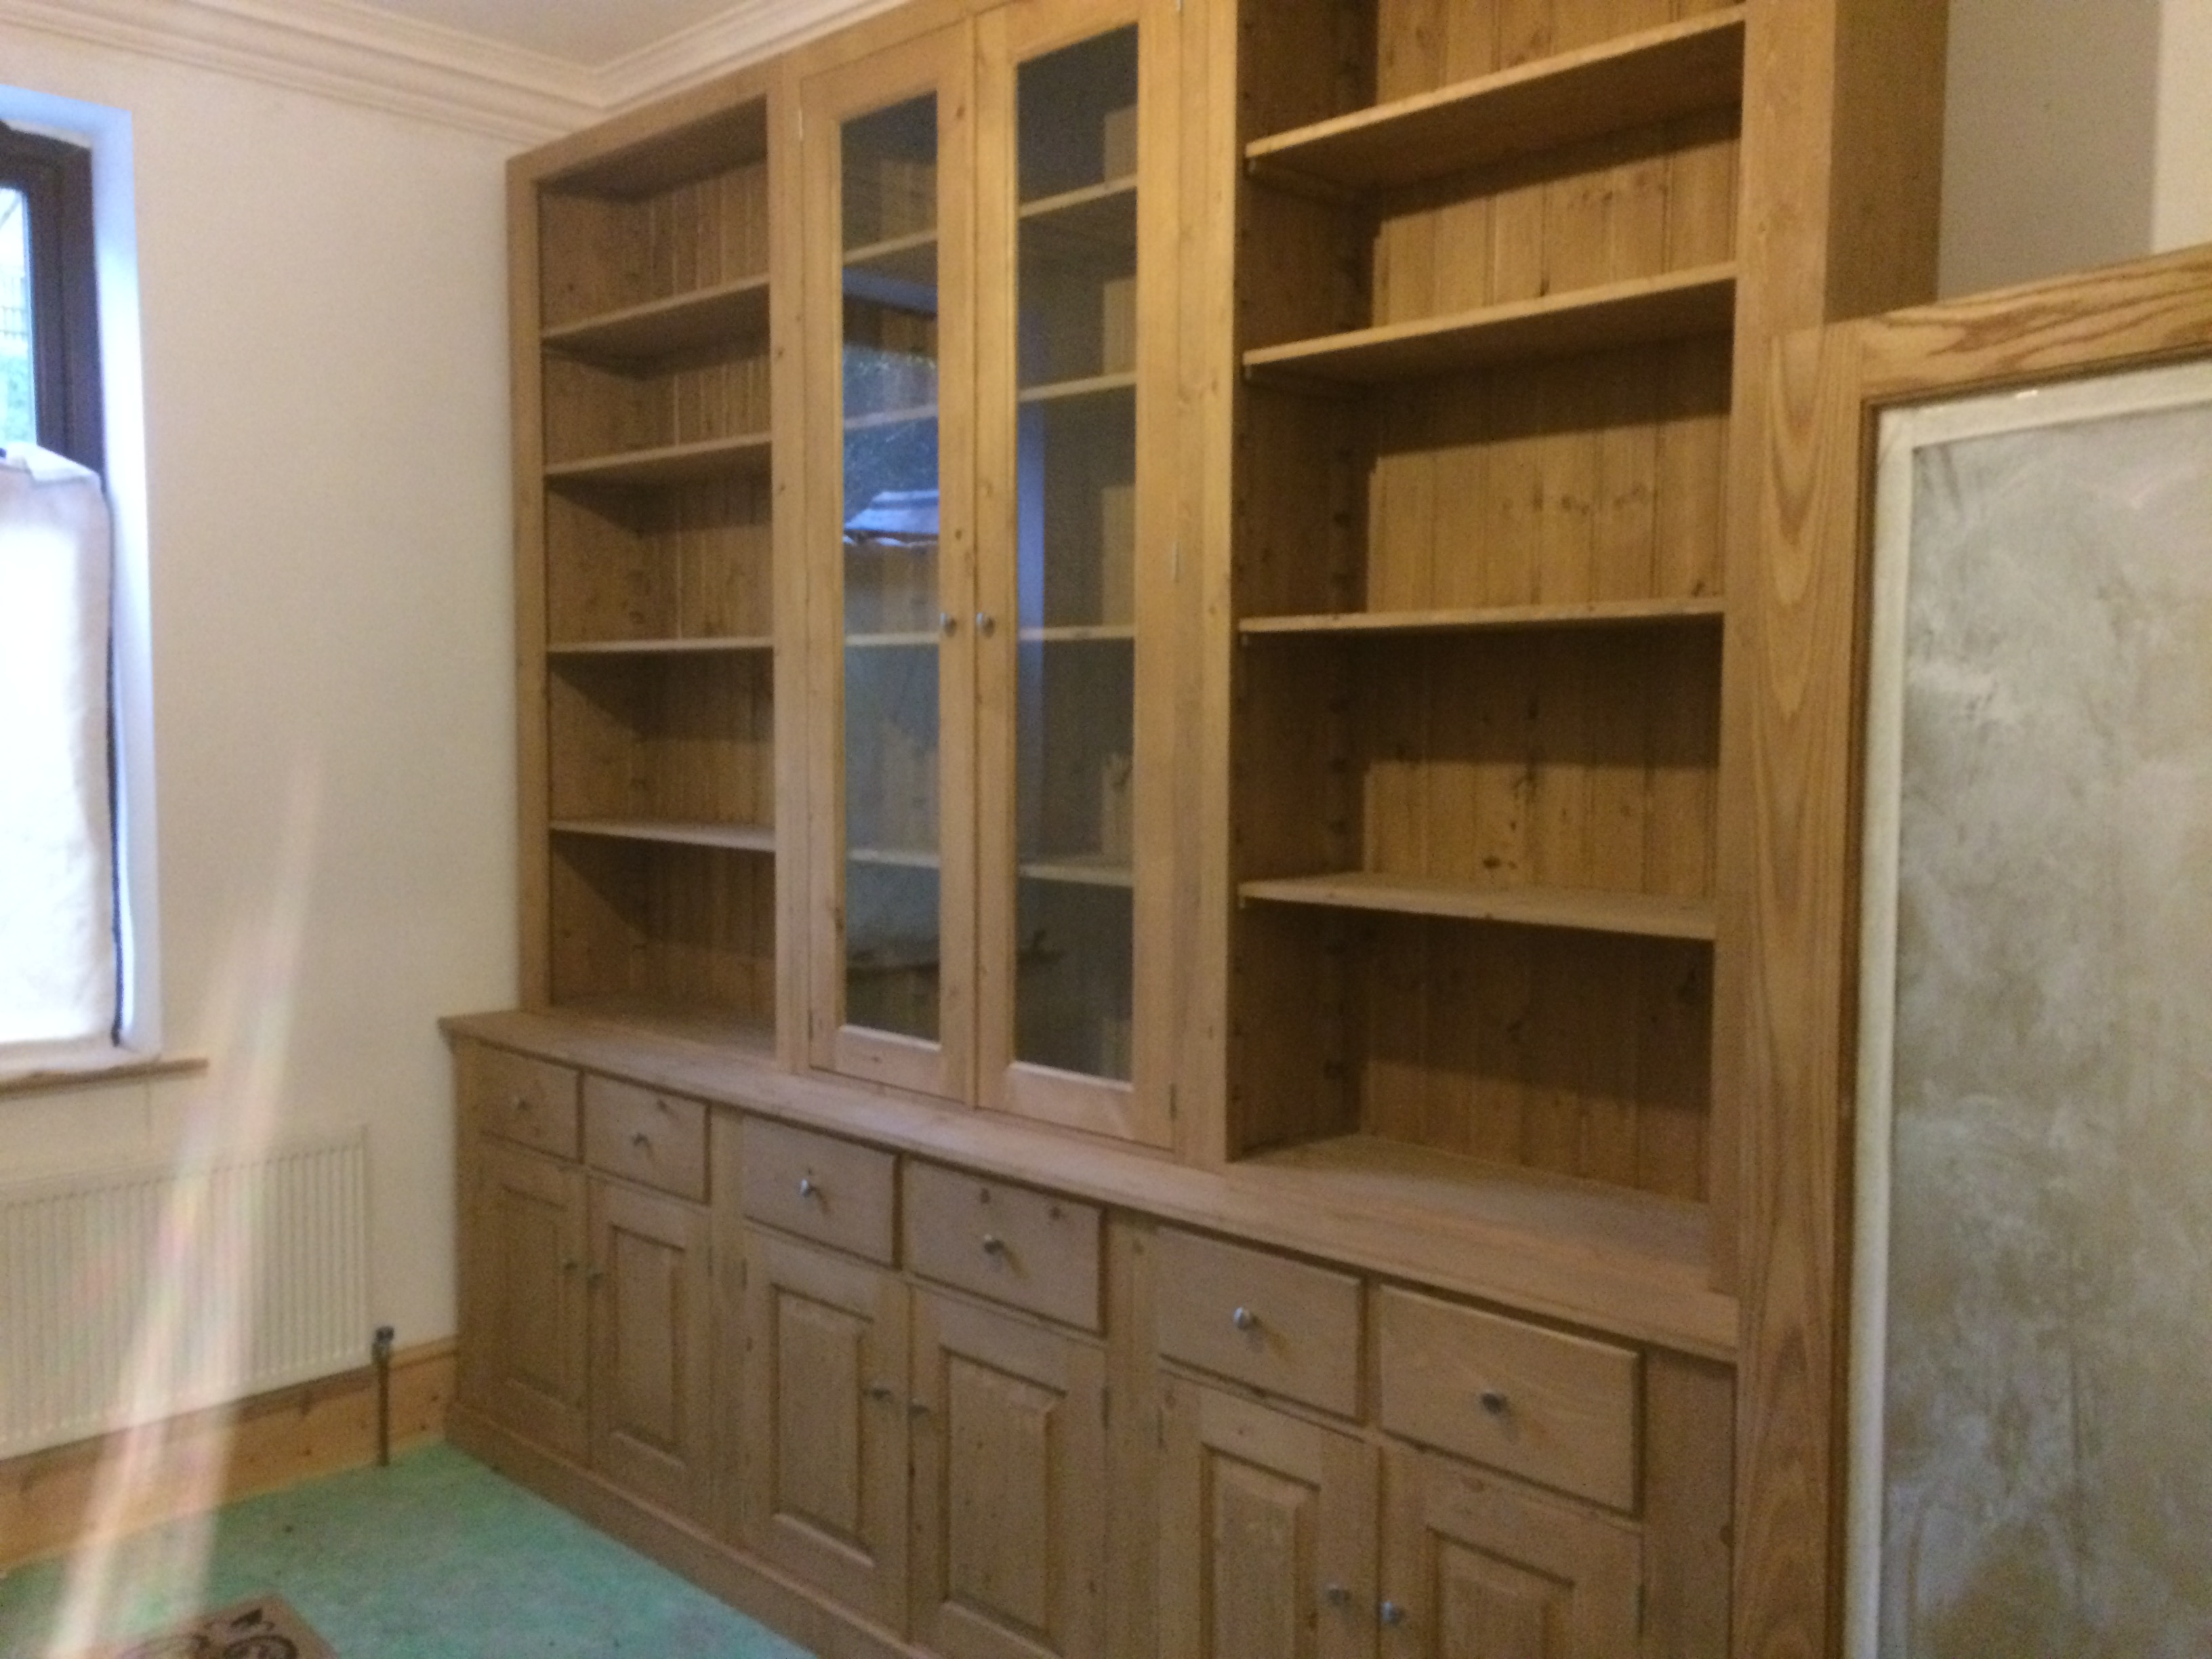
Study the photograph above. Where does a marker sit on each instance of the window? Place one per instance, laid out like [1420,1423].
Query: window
[49,309]
[60,986]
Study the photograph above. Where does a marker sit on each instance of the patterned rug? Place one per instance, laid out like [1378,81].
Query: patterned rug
[263,1627]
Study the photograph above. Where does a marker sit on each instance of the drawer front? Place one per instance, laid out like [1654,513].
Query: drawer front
[1013,1244]
[1281,1326]
[526,1100]
[837,1192]
[1556,1409]
[654,1140]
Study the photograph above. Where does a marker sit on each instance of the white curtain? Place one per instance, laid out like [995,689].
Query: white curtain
[58,952]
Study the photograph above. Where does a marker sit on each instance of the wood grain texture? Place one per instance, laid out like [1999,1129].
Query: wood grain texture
[527,1362]
[837,1192]
[49,1499]
[1557,1409]
[1478,1566]
[655,1139]
[652,1341]
[1031,1249]
[1283,1327]
[1608,1259]
[1010,1485]
[1268,1533]
[824,1426]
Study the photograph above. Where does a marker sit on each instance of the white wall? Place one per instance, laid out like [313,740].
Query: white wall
[2182,204]
[2077,133]
[323,301]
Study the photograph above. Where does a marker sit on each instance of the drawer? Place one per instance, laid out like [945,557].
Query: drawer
[1013,1244]
[837,1192]
[1281,1326]
[531,1101]
[1556,1409]
[654,1140]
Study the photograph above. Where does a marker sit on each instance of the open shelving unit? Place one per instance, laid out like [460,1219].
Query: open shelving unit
[1487,300]
[656,461]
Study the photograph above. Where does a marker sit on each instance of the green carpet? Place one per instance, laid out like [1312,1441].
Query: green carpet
[435,1557]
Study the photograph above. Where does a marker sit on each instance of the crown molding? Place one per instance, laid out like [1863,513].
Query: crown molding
[748,31]
[344,50]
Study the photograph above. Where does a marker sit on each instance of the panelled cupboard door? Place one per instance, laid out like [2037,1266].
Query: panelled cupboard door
[888,163]
[651,1328]
[1268,1533]
[1009,1486]
[1476,1570]
[823,1480]
[1076,102]
[526,1364]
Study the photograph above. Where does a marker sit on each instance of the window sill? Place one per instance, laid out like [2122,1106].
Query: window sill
[135,1069]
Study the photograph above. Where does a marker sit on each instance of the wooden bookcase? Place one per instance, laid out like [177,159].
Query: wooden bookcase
[1149,614]
[647,507]
[1478,576]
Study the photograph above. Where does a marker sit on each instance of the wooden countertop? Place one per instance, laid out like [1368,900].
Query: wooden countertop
[1620,1262]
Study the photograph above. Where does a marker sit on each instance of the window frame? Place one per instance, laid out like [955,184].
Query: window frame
[55,178]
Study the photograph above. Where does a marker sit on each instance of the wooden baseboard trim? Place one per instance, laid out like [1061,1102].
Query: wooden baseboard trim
[753,1587]
[271,1441]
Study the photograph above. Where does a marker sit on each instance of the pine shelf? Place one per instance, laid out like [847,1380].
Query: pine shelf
[1594,613]
[711,458]
[1644,311]
[730,645]
[728,837]
[1654,75]
[661,328]
[1643,916]
[1092,386]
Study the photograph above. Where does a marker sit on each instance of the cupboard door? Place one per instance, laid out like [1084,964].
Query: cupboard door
[889,465]
[650,1332]
[824,1435]
[1009,1486]
[1477,1570]
[1076,370]
[525,1364]
[1268,1545]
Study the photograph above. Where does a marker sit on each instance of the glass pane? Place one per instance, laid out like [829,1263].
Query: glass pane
[19,404]
[1076,556]
[889,172]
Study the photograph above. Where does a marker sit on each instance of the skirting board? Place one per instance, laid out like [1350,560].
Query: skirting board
[273,1440]
[755,1589]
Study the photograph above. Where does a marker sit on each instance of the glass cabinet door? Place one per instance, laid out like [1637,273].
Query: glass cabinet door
[1070,278]
[888,240]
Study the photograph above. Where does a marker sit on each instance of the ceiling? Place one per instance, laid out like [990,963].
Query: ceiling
[590,32]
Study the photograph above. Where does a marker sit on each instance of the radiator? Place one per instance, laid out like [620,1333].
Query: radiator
[131,1294]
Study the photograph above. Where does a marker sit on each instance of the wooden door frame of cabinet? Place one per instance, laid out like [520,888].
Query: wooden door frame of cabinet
[1006,39]
[877,1590]
[940,62]
[1014,1345]
[1804,641]
[1343,1468]
[677,1479]
[564,1424]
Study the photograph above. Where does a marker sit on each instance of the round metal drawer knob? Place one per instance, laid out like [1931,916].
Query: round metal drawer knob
[806,1186]
[1392,1613]
[993,1245]
[1245,1320]
[641,1141]
[1495,1402]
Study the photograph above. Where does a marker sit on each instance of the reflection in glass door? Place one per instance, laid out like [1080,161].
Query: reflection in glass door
[1075,555]
[894,616]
